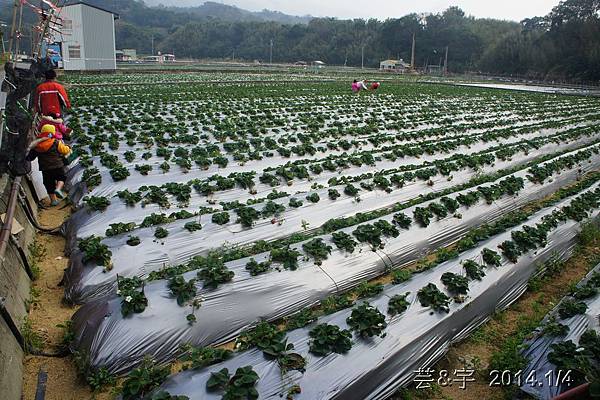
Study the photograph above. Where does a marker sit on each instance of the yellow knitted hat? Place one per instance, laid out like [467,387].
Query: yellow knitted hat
[48,129]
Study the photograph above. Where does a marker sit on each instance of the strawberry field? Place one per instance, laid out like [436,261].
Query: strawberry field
[283,237]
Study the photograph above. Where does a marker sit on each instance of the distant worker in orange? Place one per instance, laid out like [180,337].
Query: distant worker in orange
[51,97]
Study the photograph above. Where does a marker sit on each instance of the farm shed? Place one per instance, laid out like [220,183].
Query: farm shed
[394,66]
[87,38]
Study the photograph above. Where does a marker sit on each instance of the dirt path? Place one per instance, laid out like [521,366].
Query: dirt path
[48,311]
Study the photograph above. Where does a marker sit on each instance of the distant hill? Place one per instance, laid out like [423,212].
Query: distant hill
[226,12]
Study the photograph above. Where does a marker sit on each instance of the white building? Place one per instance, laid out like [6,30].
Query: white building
[394,66]
[87,38]
[126,55]
[160,58]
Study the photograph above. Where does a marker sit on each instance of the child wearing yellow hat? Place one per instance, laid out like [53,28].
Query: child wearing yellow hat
[50,152]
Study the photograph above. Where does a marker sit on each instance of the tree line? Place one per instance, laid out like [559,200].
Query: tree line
[563,45]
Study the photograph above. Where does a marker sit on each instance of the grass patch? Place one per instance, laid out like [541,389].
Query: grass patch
[32,340]
[37,254]
[34,299]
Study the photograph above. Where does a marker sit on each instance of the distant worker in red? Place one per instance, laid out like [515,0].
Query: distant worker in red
[51,97]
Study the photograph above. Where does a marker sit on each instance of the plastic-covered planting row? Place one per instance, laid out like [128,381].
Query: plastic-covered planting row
[86,223]
[565,344]
[360,107]
[216,144]
[444,146]
[131,156]
[118,340]
[262,118]
[108,187]
[85,282]
[191,76]
[386,350]
[205,166]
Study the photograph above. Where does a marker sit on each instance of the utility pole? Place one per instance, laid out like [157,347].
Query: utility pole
[271,53]
[20,26]
[362,57]
[13,28]
[412,56]
[153,44]
[446,62]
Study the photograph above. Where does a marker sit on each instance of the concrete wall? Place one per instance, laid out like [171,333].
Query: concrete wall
[99,39]
[93,30]
[14,288]
[72,17]
[11,364]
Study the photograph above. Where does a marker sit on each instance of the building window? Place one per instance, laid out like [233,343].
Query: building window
[67,24]
[74,51]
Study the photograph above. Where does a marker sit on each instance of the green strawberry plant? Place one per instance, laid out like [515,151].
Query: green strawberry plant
[220,218]
[215,273]
[318,250]
[368,234]
[326,339]
[313,197]
[119,172]
[491,258]
[144,379]
[336,303]
[119,228]
[431,296]
[95,251]
[247,216]
[456,284]
[367,321]
[422,216]
[569,308]
[256,268]
[161,233]
[201,357]
[183,291]
[400,276]
[96,203]
[295,203]
[192,226]
[398,304]
[344,241]
[133,241]
[286,256]
[473,270]
[402,220]
[239,387]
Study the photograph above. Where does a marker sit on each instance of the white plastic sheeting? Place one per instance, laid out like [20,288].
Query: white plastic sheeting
[377,367]
[119,343]
[85,223]
[87,282]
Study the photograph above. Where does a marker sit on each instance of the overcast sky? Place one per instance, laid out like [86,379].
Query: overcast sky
[505,9]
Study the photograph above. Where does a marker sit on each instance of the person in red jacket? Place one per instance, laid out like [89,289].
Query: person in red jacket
[50,96]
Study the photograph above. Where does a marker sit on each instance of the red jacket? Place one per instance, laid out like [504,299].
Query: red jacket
[50,96]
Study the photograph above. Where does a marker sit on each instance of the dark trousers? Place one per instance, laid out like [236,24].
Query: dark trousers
[52,176]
